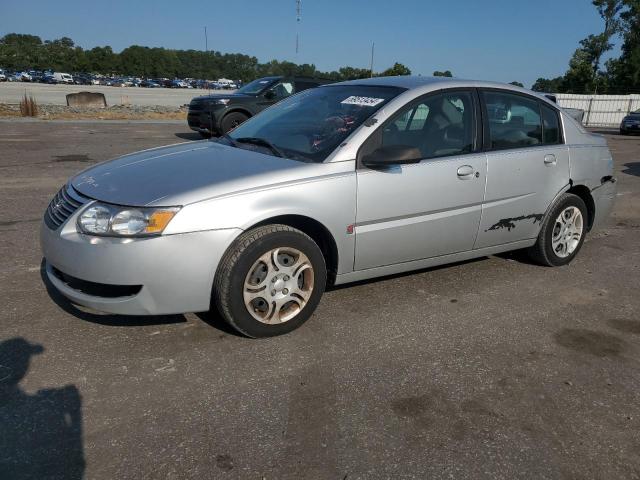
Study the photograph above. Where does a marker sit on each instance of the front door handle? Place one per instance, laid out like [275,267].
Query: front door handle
[550,159]
[465,172]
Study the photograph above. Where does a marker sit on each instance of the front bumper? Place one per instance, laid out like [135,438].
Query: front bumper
[630,128]
[175,271]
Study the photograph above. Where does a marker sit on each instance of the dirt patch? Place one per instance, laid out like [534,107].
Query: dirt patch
[114,112]
[625,325]
[589,341]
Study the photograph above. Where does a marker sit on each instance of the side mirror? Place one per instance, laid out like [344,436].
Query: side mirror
[269,94]
[392,155]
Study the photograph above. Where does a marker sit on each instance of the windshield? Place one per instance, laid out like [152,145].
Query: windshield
[255,87]
[310,125]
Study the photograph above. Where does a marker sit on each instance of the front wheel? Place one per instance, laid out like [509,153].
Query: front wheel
[270,281]
[232,120]
[562,232]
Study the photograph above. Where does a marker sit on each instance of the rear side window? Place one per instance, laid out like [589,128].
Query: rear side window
[551,126]
[514,121]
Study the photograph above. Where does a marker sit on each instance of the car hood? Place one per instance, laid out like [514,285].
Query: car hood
[186,173]
[216,96]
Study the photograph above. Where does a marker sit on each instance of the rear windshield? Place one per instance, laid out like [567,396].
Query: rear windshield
[310,125]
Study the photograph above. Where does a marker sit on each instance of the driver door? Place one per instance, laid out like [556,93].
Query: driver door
[274,94]
[429,208]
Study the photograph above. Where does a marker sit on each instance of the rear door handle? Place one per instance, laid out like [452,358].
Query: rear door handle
[465,172]
[550,159]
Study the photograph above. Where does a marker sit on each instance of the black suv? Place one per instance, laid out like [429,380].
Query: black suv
[217,114]
[630,123]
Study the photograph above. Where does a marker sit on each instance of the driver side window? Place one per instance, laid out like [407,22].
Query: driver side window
[282,90]
[439,126]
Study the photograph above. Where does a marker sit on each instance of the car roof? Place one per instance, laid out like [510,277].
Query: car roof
[411,82]
[418,85]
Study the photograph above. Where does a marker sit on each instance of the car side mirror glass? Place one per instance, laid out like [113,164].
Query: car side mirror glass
[392,155]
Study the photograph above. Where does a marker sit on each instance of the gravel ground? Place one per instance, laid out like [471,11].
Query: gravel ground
[494,368]
[12,93]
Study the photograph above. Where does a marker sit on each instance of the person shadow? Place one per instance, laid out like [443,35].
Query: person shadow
[40,433]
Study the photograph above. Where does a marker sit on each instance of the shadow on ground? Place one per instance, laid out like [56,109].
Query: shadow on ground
[632,168]
[41,432]
[403,274]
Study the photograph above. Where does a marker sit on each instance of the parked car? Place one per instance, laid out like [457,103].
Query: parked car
[218,114]
[63,78]
[82,80]
[337,184]
[22,77]
[630,123]
[49,78]
[3,76]
[149,84]
[226,84]
[177,83]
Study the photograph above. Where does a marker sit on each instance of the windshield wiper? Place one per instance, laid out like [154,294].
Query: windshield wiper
[229,139]
[261,142]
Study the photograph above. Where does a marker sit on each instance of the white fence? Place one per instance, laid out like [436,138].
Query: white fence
[601,110]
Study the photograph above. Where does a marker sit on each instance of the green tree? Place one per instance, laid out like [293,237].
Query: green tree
[446,73]
[397,69]
[517,84]
[623,74]
[21,51]
[579,78]
[553,85]
[351,73]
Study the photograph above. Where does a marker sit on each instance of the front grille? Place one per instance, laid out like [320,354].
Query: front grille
[62,206]
[97,289]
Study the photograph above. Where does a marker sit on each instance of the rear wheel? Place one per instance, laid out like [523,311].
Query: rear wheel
[562,232]
[232,120]
[270,281]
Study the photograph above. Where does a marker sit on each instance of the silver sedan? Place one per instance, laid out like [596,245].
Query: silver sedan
[340,183]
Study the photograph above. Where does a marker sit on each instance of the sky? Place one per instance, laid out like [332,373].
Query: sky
[497,40]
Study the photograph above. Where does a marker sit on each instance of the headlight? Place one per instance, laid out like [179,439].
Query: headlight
[221,101]
[115,221]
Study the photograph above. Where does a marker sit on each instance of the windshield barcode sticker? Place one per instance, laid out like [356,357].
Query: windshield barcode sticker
[362,101]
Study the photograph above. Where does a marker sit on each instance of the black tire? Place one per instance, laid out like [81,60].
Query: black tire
[232,120]
[542,252]
[204,134]
[622,132]
[241,256]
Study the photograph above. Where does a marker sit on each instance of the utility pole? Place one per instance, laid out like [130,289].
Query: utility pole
[373,44]
[206,51]
[298,17]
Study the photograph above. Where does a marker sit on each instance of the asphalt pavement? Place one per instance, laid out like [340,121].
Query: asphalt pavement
[493,368]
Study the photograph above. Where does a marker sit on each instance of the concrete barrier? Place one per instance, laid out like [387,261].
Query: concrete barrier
[86,99]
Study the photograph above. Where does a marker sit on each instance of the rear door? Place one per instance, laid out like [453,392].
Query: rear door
[527,165]
[429,208]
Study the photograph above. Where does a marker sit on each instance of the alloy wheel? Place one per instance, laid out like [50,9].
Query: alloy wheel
[278,285]
[567,232]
